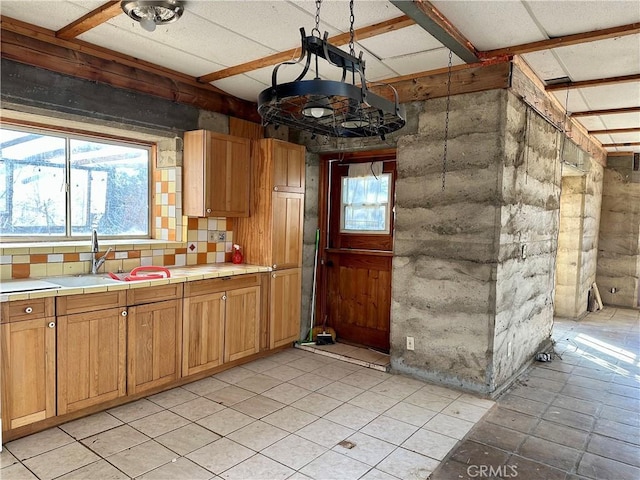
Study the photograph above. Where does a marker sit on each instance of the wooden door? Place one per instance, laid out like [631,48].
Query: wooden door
[228,176]
[91,358]
[288,218]
[28,372]
[153,345]
[288,166]
[242,323]
[202,333]
[358,256]
[284,315]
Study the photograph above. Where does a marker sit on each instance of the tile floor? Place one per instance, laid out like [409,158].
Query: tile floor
[295,414]
[577,417]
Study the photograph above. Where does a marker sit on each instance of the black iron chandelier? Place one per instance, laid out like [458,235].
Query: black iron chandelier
[344,108]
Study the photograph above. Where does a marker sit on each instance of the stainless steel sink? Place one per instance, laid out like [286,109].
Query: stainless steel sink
[82,280]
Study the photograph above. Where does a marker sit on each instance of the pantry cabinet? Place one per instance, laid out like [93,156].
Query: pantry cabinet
[216,175]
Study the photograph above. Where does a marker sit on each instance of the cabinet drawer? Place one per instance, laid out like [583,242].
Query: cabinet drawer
[27,309]
[90,302]
[222,284]
[139,296]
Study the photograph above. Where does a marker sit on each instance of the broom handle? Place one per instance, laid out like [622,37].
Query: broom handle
[313,290]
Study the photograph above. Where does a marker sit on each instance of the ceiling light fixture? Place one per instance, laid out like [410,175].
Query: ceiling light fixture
[344,108]
[153,12]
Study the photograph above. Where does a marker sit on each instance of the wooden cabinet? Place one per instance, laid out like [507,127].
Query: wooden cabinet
[216,175]
[285,299]
[203,332]
[91,358]
[28,362]
[272,235]
[242,323]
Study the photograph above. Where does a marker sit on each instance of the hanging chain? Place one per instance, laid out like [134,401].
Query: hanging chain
[317,27]
[352,19]
[446,122]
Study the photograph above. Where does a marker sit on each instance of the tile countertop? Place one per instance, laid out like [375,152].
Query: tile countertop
[178,275]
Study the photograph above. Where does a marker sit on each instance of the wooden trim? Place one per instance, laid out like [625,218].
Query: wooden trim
[615,130]
[593,83]
[355,251]
[92,19]
[435,23]
[294,53]
[624,144]
[564,41]
[607,111]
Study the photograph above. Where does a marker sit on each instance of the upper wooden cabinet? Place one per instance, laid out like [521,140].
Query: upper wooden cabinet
[272,235]
[216,172]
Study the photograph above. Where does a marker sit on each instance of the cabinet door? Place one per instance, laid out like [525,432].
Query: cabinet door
[288,167]
[28,372]
[202,333]
[288,211]
[284,312]
[153,345]
[91,358]
[242,323]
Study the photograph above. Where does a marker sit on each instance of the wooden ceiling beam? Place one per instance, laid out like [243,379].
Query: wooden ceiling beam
[624,144]
[614,130]
[92,19]
[342,39]
[608,111]
[593,83]
[437,25]
[564,41]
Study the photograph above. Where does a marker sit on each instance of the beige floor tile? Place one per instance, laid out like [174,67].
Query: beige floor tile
[478,402]
[225,421]
[294,451]
[135,410]
[100,470]
[17,471]
[258,383]
[375,474]
[309,364]
[299,476]
[325,433]
[340,391]
[284,372]
[429,443]
[430,401]
[6,458]
[220,455]
[398,390]
[363,380]
[173,397]
[351,416]
[230,395]
[408,465]
[159,423]
[115,440]
[368,356]
[465,411]
[258,435]
[366,449]
[441,391]
[234,375]
[285,356]
[258,467]
[333,371]
[262,364]
[91,425]
[187,439]
[181,469]
[374,402]
[290,419]
[205,386]
[450,426]
[333,465]
[286,393]
[409,413]
[317,404]
[142,458]
[38,443]
[389,430]
[258,406]
[60,461]
[196,409]
[311,382]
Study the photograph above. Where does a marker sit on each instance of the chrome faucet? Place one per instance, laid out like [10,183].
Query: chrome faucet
[96,263]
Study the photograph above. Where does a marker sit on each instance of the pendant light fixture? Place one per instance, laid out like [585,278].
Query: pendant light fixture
[153,12]
[344,108]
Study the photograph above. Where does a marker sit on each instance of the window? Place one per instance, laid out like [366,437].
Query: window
[54,185]
[365,204]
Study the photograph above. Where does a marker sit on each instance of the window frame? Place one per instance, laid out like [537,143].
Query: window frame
[387,206]
[75,134]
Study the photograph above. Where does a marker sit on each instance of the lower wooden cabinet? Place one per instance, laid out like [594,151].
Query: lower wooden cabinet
[203,332]
[154,345]
[284,311]
[28,371]
[242,323]
[91,358]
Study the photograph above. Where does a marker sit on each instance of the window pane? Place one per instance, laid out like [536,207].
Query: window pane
[109,188]
[365,218]
[32,192]
[365,204]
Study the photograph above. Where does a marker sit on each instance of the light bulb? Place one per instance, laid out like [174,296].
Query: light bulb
[148,23]
[317,112]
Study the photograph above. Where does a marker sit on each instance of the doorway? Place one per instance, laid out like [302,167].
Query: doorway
[356,248]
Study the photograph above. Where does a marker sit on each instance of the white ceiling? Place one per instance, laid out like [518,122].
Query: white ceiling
[216,34]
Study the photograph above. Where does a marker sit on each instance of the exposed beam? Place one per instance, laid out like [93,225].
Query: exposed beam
[614,130]
[92,19]
[593,83]
[624,144]
[342,39]
[608,111]
[436,24]
[564,41]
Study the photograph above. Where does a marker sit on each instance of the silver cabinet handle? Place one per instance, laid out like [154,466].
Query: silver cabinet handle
[275,189]
[208,210]
[51,324]
[124,313]
[28,310]
[273,275]
[274,266]
[224,297]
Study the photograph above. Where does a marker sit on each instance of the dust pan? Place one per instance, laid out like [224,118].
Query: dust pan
[324,335]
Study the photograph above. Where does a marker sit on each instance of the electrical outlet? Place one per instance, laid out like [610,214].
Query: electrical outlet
[410,344]
[222,236]
[508,349]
